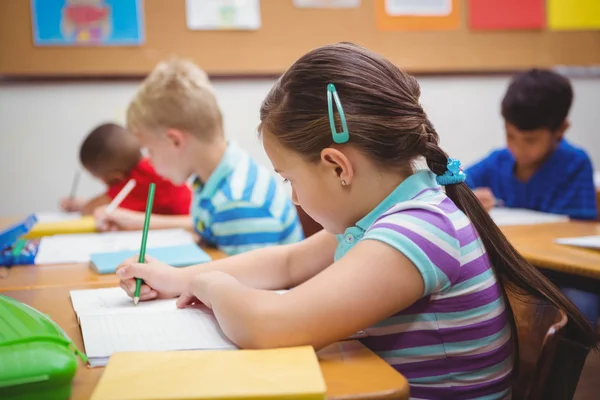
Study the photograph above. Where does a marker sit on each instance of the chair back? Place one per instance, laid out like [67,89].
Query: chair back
[550,363]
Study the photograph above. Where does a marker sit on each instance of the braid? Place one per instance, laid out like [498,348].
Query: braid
[437,159]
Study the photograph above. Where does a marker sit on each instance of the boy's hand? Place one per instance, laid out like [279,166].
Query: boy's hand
[485,197]
[72,204]
[160,280]
[119,220]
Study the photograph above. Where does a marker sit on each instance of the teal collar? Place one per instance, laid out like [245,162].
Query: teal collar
[406,190]
[226,166]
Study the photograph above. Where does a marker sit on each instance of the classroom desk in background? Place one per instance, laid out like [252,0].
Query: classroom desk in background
[536,244]
[350,370]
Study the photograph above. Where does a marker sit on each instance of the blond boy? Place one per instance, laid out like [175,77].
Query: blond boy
[237,204]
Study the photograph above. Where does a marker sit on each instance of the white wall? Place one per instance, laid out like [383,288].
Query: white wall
[42,125]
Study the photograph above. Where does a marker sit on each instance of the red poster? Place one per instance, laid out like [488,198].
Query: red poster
[507,14]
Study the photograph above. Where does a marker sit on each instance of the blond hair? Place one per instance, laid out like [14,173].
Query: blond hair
[176,95]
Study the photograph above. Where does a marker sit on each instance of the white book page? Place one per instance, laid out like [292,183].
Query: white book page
[517,216]
[165,330]
[111,323]
[113,300]
[76,248]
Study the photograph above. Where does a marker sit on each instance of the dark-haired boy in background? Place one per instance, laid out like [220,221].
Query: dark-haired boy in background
[539,170]
[113,155]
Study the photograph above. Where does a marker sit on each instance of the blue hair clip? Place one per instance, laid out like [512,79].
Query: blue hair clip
[453,174]
[344,135]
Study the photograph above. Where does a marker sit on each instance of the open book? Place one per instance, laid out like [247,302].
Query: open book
[110,323]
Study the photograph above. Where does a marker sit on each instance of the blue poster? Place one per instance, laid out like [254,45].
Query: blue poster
[87,22]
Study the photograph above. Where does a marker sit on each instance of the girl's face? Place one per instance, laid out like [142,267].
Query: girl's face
[315,186]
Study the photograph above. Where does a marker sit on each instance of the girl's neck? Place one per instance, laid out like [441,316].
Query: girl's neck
[372,189]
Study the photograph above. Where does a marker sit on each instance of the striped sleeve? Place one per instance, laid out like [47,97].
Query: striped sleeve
[427,239]
[240,226]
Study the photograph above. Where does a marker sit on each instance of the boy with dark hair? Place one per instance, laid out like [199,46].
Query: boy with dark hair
[539,169]
[112,155]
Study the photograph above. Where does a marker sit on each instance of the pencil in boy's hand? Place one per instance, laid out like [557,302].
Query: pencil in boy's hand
[75,184]
[116,202]
[142,257]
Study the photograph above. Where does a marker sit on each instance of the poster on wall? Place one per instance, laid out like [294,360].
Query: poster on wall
[87,22]
[223,14]
[417,15]
[507,14]
[327,3]
[424,8]
[573,15]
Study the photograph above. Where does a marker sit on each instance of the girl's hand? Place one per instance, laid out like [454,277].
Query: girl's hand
[119,220]
[160,280]
[202,288]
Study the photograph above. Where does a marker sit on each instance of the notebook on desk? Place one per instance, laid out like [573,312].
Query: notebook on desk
[518,216]
[110,323]
[175,256]
[62,249]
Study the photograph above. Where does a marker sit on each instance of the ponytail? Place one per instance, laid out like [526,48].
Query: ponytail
[516,275]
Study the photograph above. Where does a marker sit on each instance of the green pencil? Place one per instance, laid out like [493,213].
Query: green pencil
[142,257]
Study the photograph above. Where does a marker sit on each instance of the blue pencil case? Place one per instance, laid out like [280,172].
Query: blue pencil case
[21,253]
[13,249]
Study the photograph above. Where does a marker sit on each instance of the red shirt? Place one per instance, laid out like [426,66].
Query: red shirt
[168,198]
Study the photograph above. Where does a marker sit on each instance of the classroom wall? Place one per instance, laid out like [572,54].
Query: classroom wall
[42,125]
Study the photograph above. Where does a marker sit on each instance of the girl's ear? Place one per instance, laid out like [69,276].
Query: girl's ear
[338,165]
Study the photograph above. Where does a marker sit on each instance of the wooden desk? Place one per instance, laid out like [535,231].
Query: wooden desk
[536,244]
[66,275]
[350,370]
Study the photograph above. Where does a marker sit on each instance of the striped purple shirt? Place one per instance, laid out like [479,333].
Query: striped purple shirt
[455,342]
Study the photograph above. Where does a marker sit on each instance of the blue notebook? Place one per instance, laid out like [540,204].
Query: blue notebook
[176,256]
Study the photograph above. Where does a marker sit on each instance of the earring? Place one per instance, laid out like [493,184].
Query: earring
[343,182]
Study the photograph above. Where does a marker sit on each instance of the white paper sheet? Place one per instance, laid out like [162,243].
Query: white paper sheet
[424,8]
[111,323]
[589,242]
[327,3]
[56,216]
[223,14]
[61,249]
[517,216]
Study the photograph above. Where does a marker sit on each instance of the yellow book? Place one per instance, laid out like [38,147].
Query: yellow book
[81,225]
[282,374]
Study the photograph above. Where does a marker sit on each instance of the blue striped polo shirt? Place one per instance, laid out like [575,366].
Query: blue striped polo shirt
[456,341]
[241,206]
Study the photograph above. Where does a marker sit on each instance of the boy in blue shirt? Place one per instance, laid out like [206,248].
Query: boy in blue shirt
[539,169]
